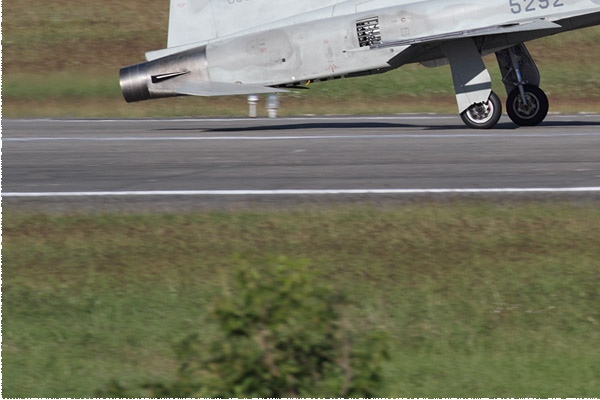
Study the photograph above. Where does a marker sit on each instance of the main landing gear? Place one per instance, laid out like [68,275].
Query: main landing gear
[527,104]
[480,107]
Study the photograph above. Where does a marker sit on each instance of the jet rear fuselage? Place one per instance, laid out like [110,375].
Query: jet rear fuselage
[330,48]
[346,39]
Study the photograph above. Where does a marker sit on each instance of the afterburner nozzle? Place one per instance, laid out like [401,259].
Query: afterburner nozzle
[134,82]
[165,76]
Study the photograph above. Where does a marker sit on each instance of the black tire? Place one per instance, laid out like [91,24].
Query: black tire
[484,115]
[532,113]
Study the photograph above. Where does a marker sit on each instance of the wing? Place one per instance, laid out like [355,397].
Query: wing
[491,38]
[527,26]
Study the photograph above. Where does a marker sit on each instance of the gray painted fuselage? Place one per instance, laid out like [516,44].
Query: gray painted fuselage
[229,47]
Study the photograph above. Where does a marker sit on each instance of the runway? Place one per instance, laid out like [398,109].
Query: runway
[204,162]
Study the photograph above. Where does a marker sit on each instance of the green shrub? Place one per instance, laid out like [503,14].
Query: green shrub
[281,334]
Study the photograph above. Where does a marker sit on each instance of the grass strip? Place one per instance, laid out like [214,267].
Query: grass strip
[480,299]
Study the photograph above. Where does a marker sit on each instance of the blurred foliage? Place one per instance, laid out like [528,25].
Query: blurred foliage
[282,334]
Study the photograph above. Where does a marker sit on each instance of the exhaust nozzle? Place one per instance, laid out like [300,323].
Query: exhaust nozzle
[162,77]
[134,82]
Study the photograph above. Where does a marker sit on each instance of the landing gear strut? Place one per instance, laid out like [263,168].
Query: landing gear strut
[527,104]
[483,115]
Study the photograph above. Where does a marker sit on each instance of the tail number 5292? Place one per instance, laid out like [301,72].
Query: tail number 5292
[521,6]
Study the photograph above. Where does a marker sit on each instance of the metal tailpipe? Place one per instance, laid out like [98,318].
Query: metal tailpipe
[162,77]
[134,82]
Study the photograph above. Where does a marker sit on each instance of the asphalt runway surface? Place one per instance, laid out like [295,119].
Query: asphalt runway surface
[195,163]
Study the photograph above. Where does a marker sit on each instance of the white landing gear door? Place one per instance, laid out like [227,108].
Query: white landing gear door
[472,81]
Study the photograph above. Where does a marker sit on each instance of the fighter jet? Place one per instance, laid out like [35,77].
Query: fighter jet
[233,47]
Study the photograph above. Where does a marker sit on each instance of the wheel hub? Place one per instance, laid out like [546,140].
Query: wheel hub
[483,115]
[527,108]
[481,112]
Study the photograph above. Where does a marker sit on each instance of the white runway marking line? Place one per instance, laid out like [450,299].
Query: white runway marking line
[292,192]
[304,137]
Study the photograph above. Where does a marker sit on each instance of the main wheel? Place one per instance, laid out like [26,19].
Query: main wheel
[483,115]
[530,112]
